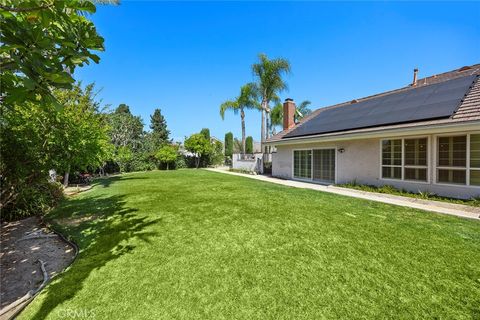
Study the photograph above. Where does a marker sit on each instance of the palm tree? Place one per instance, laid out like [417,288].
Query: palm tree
[270,83]
[301,111]
[276,116]
[248,99]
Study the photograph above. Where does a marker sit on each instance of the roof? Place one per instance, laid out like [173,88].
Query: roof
[450,97]
[213,138]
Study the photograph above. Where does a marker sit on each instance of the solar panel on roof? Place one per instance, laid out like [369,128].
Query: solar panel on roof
[434,101]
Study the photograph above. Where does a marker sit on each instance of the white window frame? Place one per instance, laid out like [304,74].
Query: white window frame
[311,161]
[403,166]
[467,162]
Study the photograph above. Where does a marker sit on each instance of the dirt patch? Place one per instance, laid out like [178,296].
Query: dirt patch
[23,244]
[73,190]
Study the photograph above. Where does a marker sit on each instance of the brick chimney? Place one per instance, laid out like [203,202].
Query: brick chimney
[288,114]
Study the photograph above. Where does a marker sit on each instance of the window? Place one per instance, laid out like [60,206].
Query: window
[475,159]
[302,164]
[458,159]
[405,159]
[415,159]
[392,159]
[452,159]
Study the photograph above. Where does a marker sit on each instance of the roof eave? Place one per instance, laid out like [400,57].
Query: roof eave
[382,132]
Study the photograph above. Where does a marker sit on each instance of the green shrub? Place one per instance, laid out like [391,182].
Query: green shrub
[475,201]
[167,155]
[388,189]
[426,195]
[241,171]
[35,199]
[217,157]
[139,162]
[180,163]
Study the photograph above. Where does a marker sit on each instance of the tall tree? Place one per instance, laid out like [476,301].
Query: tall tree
[125,128]
[206,158]
[248,99]
[82,136]
[43,42]
[123,108]
[38,137]
[228,144]
[206,133]
[249,145]
[269,74]
[123,156]
[277,116]
[158,124]
[302,110]
[237,145]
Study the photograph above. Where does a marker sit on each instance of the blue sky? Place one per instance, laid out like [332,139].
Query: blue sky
[188,57]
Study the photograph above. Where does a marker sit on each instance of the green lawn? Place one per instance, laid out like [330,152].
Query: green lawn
[198,244]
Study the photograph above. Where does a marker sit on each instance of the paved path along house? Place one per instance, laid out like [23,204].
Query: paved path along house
[458,210]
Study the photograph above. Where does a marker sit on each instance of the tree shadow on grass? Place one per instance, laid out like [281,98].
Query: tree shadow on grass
[102,227]
[107,181]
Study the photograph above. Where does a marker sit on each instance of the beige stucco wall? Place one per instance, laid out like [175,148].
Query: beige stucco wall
[252,164]
[361,162]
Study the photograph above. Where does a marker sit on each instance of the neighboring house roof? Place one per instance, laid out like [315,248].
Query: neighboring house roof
[450,97]
[212,139]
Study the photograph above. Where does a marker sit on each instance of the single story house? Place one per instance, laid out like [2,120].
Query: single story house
[424,137]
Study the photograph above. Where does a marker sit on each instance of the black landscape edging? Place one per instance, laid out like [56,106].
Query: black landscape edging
[39,289]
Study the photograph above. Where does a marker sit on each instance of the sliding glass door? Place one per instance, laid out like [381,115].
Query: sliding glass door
[314,164]
[324,165]
[302,164]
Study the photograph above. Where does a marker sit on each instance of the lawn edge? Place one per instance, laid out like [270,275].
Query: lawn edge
[458,210]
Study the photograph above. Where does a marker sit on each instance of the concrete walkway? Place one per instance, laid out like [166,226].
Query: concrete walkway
[458,210]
